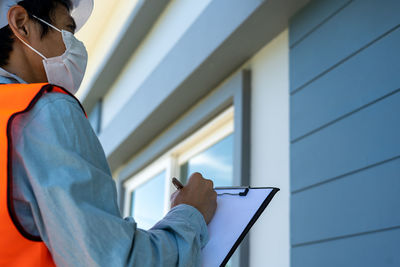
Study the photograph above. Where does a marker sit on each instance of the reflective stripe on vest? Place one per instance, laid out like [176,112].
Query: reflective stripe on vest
[17,247]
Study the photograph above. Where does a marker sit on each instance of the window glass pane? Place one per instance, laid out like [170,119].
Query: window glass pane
[147,204]
[215,163]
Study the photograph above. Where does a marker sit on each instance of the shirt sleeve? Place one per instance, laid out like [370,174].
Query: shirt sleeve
[75,199]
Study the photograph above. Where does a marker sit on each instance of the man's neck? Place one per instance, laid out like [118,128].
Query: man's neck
[20,66]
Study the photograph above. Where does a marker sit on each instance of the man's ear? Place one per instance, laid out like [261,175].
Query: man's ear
[19,22]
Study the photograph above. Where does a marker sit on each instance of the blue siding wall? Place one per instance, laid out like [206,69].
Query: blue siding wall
[345,133]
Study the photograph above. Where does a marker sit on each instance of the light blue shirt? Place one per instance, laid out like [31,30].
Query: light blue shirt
[64,192]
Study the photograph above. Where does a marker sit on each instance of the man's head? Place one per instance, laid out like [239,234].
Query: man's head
[27,30]
[15,54]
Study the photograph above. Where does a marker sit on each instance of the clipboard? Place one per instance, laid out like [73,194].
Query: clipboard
[238,208]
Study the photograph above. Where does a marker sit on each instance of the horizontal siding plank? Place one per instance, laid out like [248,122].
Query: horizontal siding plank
[352,28]
[367,137]
[375,249]
[364,78]
[365,201]
[311,16]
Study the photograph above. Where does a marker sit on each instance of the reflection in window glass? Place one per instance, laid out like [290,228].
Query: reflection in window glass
[147,204]
[215,163]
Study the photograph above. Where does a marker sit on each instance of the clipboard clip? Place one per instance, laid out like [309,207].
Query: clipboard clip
[242,194]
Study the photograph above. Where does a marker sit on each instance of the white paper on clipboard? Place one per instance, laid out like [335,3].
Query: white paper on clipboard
[234,214]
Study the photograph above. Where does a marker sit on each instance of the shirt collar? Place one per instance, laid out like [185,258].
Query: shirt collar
[11,76]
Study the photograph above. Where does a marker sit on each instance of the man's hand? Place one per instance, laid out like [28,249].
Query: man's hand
[199,193]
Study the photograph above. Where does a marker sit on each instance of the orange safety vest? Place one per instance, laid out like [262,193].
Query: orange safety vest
[17,247]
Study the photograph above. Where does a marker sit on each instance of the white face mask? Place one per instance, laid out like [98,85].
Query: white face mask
[68,69]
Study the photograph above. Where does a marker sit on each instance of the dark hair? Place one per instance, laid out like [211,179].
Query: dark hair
[40,8]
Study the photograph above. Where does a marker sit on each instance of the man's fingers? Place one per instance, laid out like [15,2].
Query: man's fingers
[210,183]
[195,177]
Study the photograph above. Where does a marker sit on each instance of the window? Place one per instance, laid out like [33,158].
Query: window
[147,194]
[208,151]
[147,202]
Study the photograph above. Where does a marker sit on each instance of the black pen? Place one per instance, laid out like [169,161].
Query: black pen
[176,183]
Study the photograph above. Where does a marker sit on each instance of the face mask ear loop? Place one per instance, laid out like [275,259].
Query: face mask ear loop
[40,54]
[45,22]
[48,24]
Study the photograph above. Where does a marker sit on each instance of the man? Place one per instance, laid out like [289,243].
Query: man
[58,202]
